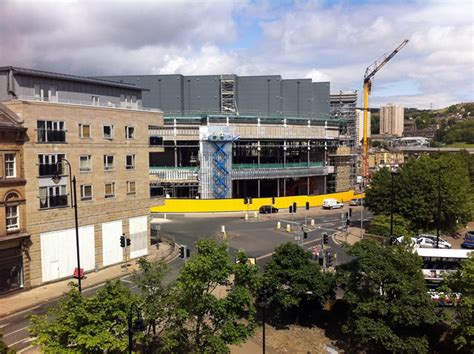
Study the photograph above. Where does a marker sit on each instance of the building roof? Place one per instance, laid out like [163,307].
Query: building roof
[9,119]
[52,75]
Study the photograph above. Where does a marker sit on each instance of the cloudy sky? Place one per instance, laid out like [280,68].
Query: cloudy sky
[322,40]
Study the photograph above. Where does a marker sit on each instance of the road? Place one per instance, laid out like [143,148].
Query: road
[258,237]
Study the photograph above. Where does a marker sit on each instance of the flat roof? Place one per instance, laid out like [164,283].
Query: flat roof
[52,75]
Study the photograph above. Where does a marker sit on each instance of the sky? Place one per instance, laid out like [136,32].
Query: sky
[324,40]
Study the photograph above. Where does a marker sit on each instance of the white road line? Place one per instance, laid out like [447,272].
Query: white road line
[24,350]
[127,281]
[4,325]
[24,340]
[18,330]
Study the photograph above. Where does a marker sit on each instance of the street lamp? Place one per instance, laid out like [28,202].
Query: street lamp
[137,326]
[72,180]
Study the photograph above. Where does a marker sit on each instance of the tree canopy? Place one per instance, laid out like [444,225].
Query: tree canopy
[416,187]
[292,277]
[86,325]
[389,308]
[380,225]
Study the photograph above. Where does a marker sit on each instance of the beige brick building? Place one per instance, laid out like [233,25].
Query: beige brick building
[108,150]
[392,119]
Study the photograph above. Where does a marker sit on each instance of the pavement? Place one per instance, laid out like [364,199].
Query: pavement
[23,300]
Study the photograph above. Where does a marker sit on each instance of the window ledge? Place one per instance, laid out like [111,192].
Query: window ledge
[57,207]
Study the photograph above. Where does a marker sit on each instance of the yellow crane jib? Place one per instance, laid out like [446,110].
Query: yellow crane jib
[369,74]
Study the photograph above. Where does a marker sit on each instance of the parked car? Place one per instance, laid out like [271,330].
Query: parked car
[412,241]
[468,240]
[331,203]
[429,241]
[356,201]
[267,209]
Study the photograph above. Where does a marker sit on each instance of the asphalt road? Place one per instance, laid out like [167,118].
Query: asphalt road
[257,237]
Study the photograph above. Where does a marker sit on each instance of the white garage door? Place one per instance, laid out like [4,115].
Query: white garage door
[58,252]
[111,251]
[138,236]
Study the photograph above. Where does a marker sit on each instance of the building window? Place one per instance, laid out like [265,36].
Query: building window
[53,196]
[86,192]
[10,165]
[95,100]
[13,219]
[108,131]
[51,131]
[109,162]
[85,164]
[48,164]
[131,188]
[130,162]
[110,190]
[84,131]
[129,132]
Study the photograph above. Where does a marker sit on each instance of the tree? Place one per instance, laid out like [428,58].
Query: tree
[462,282]
[88,325]
[389,308]
[380,225]
[416,189]
[291,277]
[206,322]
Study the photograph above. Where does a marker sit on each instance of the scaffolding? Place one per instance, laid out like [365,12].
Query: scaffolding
[228,102]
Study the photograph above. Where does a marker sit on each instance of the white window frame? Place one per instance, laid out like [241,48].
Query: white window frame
[132,166]
[51,159]
[89,160]
[51,191]
[81,131]
[129,129]
[95,100]
[109,166]
[107,196]
[51,125]
[112,128]
[12,216]
[129,191]
[10,165]
[83,194]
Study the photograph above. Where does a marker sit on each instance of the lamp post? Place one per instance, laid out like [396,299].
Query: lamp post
[138,326]
[72,180]
[263,305]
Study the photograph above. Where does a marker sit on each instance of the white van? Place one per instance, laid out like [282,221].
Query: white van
[331,203]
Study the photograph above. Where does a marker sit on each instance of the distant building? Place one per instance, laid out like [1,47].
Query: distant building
[360,125]
[391,120]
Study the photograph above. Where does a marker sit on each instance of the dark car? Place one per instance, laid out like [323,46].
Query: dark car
[468,240]
[267,209]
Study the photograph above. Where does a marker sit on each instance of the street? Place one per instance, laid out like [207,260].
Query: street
[258,237]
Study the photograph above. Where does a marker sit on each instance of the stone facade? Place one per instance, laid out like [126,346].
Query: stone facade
[46,214]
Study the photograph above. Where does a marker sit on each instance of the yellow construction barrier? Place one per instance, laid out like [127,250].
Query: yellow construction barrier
[226,205]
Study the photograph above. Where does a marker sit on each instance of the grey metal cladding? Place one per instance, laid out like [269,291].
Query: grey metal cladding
[297,95]
[201,93]
[321,99]
[259,94]
[4,86]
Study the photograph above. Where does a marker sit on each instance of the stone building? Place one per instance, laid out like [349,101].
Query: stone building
[100,129]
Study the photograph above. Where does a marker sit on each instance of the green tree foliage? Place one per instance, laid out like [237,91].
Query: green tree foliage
[154,297]
[205,321]
[291,277]
[462,281]
[462,132]
[85,325]
[380,225]
[375,122]
[4,348]
[389,308]
[416,192]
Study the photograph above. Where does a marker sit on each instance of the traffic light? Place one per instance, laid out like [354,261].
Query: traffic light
[307,205]
[348,222]
[188,253]
[246,200]
[294,207]
[182,252]
[328,259]
[122,241]
[305,235]
[325,238]
[290,209]
[129,242]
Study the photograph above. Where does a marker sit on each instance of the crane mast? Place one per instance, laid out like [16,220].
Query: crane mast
[369,74]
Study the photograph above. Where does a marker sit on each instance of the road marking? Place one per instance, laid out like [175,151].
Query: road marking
[25,349]
[272,253]
[18,330]
[24,340]
[4,325]
[127,281]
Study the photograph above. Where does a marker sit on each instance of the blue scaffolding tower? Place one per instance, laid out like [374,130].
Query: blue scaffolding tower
[220,172]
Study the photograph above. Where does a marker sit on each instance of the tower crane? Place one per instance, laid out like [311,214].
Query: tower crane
[369,74]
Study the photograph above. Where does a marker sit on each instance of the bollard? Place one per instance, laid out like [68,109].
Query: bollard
[223,229]
[278,225]
[255,214]
[312,222]
[165,216]
[246,216]
[288,227]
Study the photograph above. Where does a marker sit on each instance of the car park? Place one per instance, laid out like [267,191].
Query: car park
[267,209]
[331,203]
[468,240]
[356,201]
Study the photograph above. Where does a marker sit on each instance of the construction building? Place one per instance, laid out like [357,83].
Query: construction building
[392,118]
[94,130]
[229,136]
